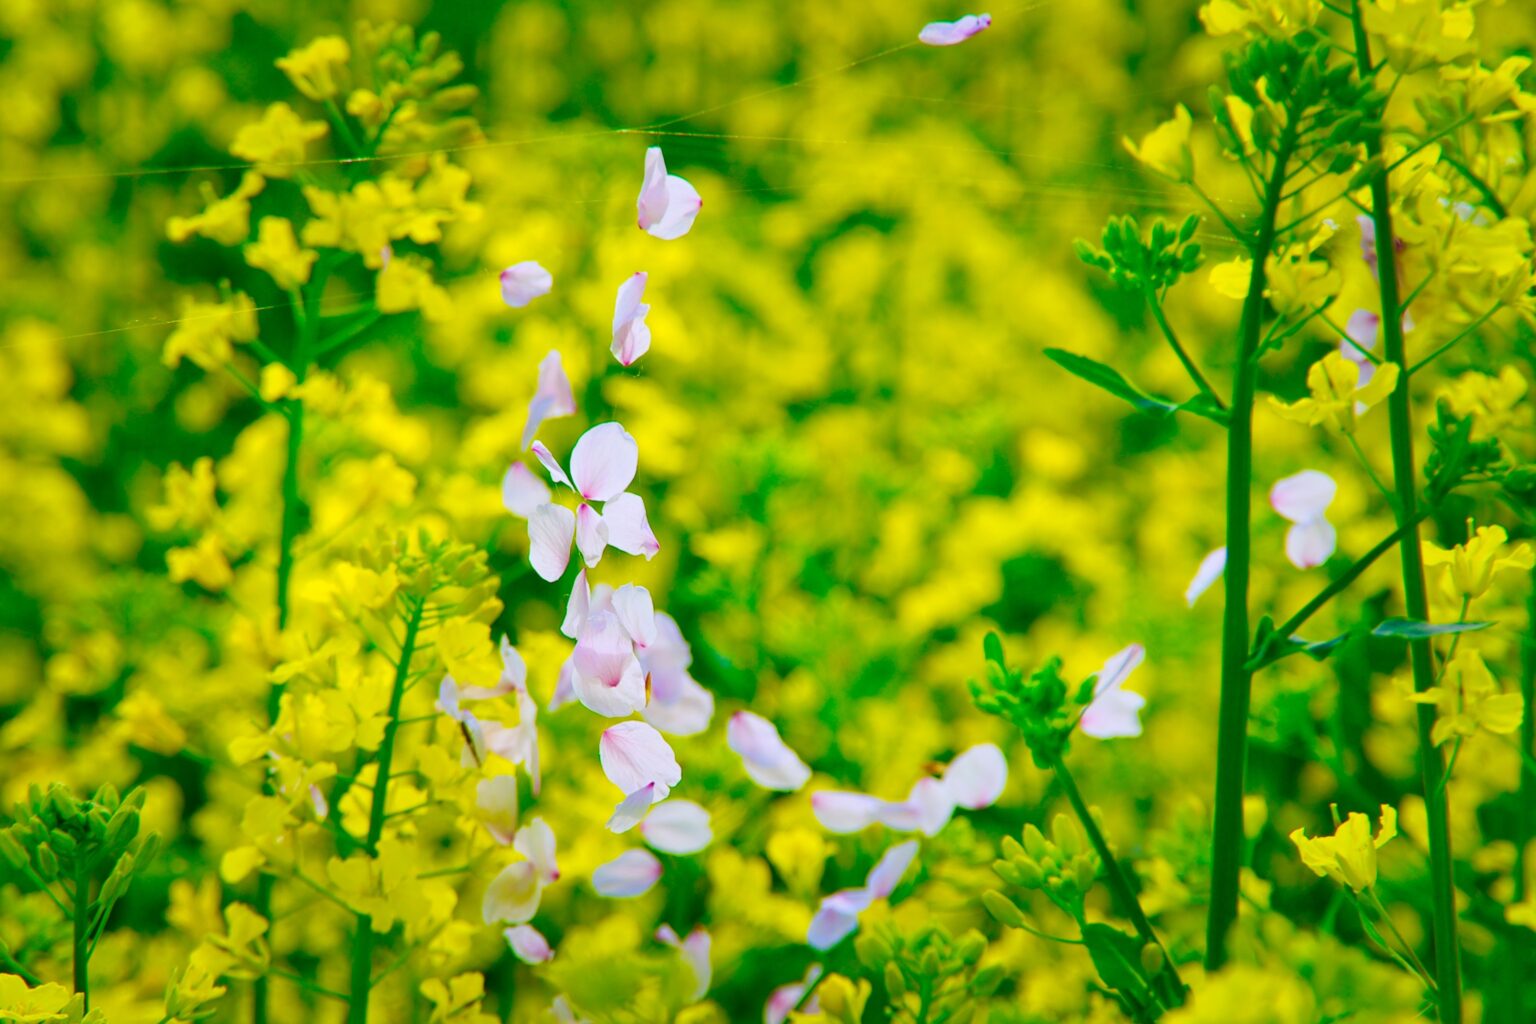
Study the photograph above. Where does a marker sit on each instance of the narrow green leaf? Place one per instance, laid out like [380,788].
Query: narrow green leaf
[1413,629]
[1117,957]
[1108,378]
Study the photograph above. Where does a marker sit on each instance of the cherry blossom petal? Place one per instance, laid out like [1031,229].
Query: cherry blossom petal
[1208,572]
[668,204]
[949,33]
[604,462]
[513,895]
[523,282]
[766,757]
[565,684]
[1303,497]
[632,808]
[576,606]
[1118,668]
[634,754]
[591,534]
[536,841]
[652,204]
[608,679]
[678,827]
[630,874]
[496,802]
[1113,714]
[522,492]
[1309,545]
[550,531]
[551,464]
[528,944]
[636,612]
[886,874]
[976,778]
[678,704]
[786,997]
[927,809]
[631,336]
[837,918]
[669,650]
[552,398]
[844,813]
[628,528]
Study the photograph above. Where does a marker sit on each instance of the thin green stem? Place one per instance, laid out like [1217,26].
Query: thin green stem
[1415,592]
[1375,902]
[1525,806]
[1458,339]
[1236,677]
[362,937]
[1178,350]
[1370,471]
[82,916]
[1237,232]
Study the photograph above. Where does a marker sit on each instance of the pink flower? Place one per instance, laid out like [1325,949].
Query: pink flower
[551,398]
[950,33]
[1114,711]
[631,336]
[667,204]
[766,757]
[603,464]
[521,283]
[1304,499]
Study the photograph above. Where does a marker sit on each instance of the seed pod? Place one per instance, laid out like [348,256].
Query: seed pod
[1003,909]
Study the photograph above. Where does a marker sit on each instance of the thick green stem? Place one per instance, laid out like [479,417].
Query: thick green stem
[362,937]
[1236,677]
[1525,806]
[1415,593]
[1120,884]
[83,931]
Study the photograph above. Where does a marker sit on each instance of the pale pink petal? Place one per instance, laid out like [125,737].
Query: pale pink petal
[632,808]
[678,827]
[528,945]
[577,606]
[683,206]
[551,464]
[1114,713]
[591,534]
[631,336]
[604,462]
[637,613]
[1310,544]
[949,33]
[630,874]
[496,802]
[513,895]
[652,204]
[976,778]
[523,282]
[1303,497]
[678,704]
[1209,571]
[609,679]
[927,809]
[1118,668]
[565,684]
[628,528]
[843,812]
[448,699]
[536,841]
[550,530]
[837,918]
[766,757]
[634,754]
[669,650]
[885,875]
[522,492]
[514,676]
[786,997]
[696,949]
[1362,330]
[552,398]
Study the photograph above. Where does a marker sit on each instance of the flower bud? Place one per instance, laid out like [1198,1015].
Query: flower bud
[1151,959]
[1003,909]
[987,980]
[45,862]
[1067,836]
[895,983]
[11,851]
[970,947]
[1034,842]
[1011,848]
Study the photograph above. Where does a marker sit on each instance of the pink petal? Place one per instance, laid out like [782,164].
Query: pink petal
[522,492]
[683,206]
[604,462]
[1209,571]
[652,204]
[927,809]
[836,918]
[591,534]
[669,650]
[678,704]
[786,997]
[523,282]
[609,679]
[1113,714]
[1118,668]
[576,608]
[844,813]
[632,808]
[949,33]
[696,948]
[565,684]
[1303,497]
[513,895]
[678,827]
[1311,544]
[496,802]
[885,875]
[976,778]
[766,757]
[528,945]
[552,398]
[550,530]
[630,874]
[628,528]
[551,464]
[633,755]
[631,336]
[536,841]
[636,612]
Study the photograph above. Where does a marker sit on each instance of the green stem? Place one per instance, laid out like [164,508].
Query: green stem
[362,937]
[1236,677]
[1178,350]
[1415,593]
[1525,805]
[82,901]
[1119,883]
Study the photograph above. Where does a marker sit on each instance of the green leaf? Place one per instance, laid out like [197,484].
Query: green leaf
[1204,405]
[1107,378]
[1117,957]
[1413,629]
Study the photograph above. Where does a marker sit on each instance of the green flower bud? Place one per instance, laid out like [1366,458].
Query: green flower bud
[1031,875]
[1034,842]
[987,980]
[1004,910]
[1084,871]
[895,983]
[45,862]
[1013,873]
[12,851]
[971,946]
[1068,837]
[1151,959]
[64,803]
[872,949]
[1011,848]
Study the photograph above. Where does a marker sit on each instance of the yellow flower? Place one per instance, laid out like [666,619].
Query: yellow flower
[1338,397]
[1231,278]
[190,501]
[277,141]
[1280,18]
[277,381]
[44,1004]
[1471,567]
[842,1002]
[277,251]
[206,330]
[1494,403]
[467,652]
[1349,855]
[799,855]
[226,221]
[406,284]
[1470,700]
[204,564]
[315,69]
[1165,150]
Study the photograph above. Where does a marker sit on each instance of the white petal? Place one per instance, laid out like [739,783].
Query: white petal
[683,205]
[1118,668]
[679,827]
[634,754]
[576,607]
[604,462]
[536,841]
[949,33]
[1363,328]
[1209,571]
[448,699]
[631,336]
[786,997]
[513,895]
[1303,497]
[836,918]
[552,398]
[550,530]
[528,945]
[885,875]
[523,282]
[522,492]
[1310,544]
[632,808]
[678,704]
[927,809]
[766,757]
[696,949]
[669,650]
[565,684]
[976,778]
[1113,714]
[630,874]
[551,464]
[628,528]
[591,534]
[652,204]
[844,813]
[496,801]
[637,613]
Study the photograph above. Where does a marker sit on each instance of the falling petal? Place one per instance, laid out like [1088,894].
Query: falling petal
[628,528]
[1309,545]
[886,874]
[631,336]
[949,33]
[1303,497]
[552,398]
[528,945]
[523,282]
[837,918]
[927,809]
[975,779]
[536,841]
[1209,571]
[522,492]
[637,613]
[604,462]
[630,874]
[678,827]
[668,204]
[609,679]
[766,757]
[634,754]
[513,895]
[550,531]
[632,808]
[591,534]
[496,801]
[844,813]
[551,464]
